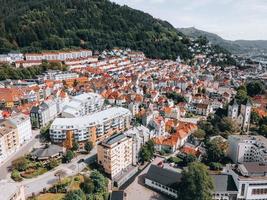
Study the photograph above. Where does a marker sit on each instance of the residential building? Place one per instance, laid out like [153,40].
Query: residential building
[11,191]
[247,148]
[114,154]
[224,187]
[94,127]
[9,140]
[23,124]
[44,113]
[250,179]
[83,104]
[59,75]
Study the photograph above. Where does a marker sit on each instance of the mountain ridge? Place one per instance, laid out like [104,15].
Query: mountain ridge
[235,46]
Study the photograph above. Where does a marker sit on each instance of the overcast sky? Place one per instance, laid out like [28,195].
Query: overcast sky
[231,19]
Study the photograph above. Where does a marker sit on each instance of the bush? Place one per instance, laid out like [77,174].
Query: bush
[52,164]
[20,164]
[215,166]
[69,156]
[15,175]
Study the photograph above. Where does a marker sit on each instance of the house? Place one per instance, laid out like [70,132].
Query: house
[48,152]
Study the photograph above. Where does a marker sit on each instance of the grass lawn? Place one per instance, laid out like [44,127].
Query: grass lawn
[51,196]
[75,184]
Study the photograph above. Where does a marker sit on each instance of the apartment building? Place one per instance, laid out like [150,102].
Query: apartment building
[114,154]
[59,75]
[250,179]
[23,124]
[247,148]
[9,140]
[95,127]
[11,191]
[82,105]
[43,114]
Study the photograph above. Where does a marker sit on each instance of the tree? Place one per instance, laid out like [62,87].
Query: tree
[147,151]
[69,156]
[199,133]
[52,164]
[255,88]
[75,195]
[241,96]
[15,175]
[189,159]
[88,146]
[87,186]
[214,152]
[100,182]
[196,184]
[255,118]
[75,146]
[20,164]
[228,125]
[263,130]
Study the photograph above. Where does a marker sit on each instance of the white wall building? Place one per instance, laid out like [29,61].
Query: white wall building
[23,124]
[247,148]
[82,105]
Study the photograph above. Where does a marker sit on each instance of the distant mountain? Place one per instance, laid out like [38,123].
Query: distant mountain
[237,46]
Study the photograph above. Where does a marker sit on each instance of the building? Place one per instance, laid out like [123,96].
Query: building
[242,117]
[118,195]
[224,187]
[9,140]
[48,152]
[114,154]
[140,135]
[59,75]
[82,105]
[94,127]
[163,180]
[23,124]
[11,191]
[43,114]
[250,179]
[247,148]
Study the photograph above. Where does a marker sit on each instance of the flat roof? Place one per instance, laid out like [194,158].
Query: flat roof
[113,139]
[95,118]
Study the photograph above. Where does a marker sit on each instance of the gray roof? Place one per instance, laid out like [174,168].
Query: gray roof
[224,183]
[50,151]
[116,195]
[113,139]
[164,176]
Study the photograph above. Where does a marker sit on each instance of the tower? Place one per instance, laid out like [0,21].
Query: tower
[246,112]
[233,110]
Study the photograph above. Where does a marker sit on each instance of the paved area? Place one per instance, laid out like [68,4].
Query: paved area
[46,180]
[26,148]
[137,191]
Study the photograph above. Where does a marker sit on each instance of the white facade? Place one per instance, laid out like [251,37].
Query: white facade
[245,148]
[82,105]
[104,121]
[162,188]
[250,179]
[24,127]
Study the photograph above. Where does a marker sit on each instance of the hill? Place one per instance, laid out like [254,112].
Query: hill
[237,46]
[32,26]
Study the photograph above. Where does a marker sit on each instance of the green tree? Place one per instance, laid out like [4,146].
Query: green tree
[255,118]
[189,159]
[88,146]
[87,186]
[214,152]
[263,130]
[15,175]
[199,133]
[100,182]
[196,183]
[255,88]
[52,164]
[69,156]
[75,195]
[20,164]
[75,146]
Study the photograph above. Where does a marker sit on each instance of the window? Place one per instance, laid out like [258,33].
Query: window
[243,189]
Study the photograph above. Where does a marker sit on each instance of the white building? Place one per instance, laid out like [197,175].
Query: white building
[247,148]
[140,135]
[101,124]
[59,75]
[23,124]
[82,105]
[250,179]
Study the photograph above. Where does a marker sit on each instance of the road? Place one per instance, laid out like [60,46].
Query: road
[26,148]
[137,190]
[46,180]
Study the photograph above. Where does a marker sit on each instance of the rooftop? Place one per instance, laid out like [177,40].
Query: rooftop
[114,139]
[224,183]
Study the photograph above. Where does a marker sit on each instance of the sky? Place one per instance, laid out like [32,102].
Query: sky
[230,19]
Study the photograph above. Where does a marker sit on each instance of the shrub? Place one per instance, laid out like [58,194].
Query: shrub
[15,175]
[215,166]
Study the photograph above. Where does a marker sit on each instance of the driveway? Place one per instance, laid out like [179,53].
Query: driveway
[137,191]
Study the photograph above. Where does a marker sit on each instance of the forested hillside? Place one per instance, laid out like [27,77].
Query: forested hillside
[35,25]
